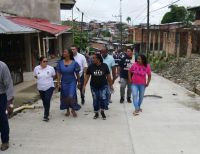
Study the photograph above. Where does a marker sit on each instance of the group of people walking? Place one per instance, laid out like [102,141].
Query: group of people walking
[74,72]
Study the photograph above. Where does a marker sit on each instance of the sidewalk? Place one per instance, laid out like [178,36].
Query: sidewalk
[26,92]
[167,125]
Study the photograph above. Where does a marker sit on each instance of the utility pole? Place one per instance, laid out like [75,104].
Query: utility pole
[121,35]
[73,25]
[82,30]
[148,45]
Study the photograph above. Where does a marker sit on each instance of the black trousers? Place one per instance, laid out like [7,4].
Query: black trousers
[46,99]
[82,82]
[4,126]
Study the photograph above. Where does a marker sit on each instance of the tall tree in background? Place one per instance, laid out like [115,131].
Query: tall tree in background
[128,19]
[178,14]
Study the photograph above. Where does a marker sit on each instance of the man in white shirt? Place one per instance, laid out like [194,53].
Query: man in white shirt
[81,60]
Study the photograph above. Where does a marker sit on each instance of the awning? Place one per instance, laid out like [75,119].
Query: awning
[9,27]
[41,24]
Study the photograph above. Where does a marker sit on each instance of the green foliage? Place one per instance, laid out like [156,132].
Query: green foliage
[106,33]
[178,14]
[77,34]
[157,62]
[128,19]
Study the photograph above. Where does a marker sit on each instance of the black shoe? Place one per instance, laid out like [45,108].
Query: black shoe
[96,115]
[121,100]
[103,115]
[83,101]
[129,100]
[46,119]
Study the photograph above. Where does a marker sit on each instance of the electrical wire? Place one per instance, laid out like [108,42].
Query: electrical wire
[165,6]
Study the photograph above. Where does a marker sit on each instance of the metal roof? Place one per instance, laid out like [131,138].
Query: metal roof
[194,8]
[41,25]
[9,27]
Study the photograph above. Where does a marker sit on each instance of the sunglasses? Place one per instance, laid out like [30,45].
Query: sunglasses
[45,61]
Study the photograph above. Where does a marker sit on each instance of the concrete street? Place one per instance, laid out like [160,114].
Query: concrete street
[167,125]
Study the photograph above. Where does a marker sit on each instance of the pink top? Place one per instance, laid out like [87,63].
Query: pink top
[139,73]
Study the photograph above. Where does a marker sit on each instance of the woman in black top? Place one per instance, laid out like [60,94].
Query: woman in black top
[100,78]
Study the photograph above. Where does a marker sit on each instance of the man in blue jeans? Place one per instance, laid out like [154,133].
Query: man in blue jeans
[6,98]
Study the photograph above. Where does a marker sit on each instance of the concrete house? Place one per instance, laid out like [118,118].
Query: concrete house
[44,16]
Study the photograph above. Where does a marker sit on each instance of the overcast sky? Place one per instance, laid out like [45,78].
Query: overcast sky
[105,10]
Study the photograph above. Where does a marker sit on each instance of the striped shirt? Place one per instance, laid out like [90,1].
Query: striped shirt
[6,83]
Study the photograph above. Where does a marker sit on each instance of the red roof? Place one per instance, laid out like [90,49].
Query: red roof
[40,24]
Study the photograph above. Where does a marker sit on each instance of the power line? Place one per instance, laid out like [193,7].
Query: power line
[165,6]
[144,8]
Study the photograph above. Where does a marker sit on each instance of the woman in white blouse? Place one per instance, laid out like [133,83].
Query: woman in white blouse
[45,75]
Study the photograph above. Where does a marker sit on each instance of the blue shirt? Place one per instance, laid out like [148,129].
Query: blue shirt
[109,60]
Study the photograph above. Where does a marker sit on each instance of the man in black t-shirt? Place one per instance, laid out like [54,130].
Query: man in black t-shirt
[100,78]
[125,63]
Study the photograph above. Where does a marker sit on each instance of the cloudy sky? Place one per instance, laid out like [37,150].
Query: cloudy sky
[105,10]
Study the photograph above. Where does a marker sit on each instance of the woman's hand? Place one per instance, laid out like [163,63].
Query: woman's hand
[111,89]
[83,90]
[58,86]
[147,84]
[79,85]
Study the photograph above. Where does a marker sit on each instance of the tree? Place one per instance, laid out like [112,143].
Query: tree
[177,14]
[128,19]
[77,34]
[106,33]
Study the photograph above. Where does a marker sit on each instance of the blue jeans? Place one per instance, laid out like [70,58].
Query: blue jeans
[4,126]
[100,97]
[138,95]
[46,99]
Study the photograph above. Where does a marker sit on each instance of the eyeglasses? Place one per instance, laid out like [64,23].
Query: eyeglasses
[45,61]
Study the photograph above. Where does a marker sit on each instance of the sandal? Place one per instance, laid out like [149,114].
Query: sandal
[67,114]
[74,113]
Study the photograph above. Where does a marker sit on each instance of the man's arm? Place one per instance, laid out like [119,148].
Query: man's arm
[114,74]
[85,65]
[8,83]
[87,76]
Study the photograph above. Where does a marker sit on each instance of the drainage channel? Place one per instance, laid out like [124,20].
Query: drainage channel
[129,130]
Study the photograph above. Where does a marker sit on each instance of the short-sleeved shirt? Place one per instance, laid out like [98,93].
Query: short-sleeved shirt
[139,73]
[44,77]
[116,57]
[125,64]
[81,60]
[109,60]
[98,75]
[68,71]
